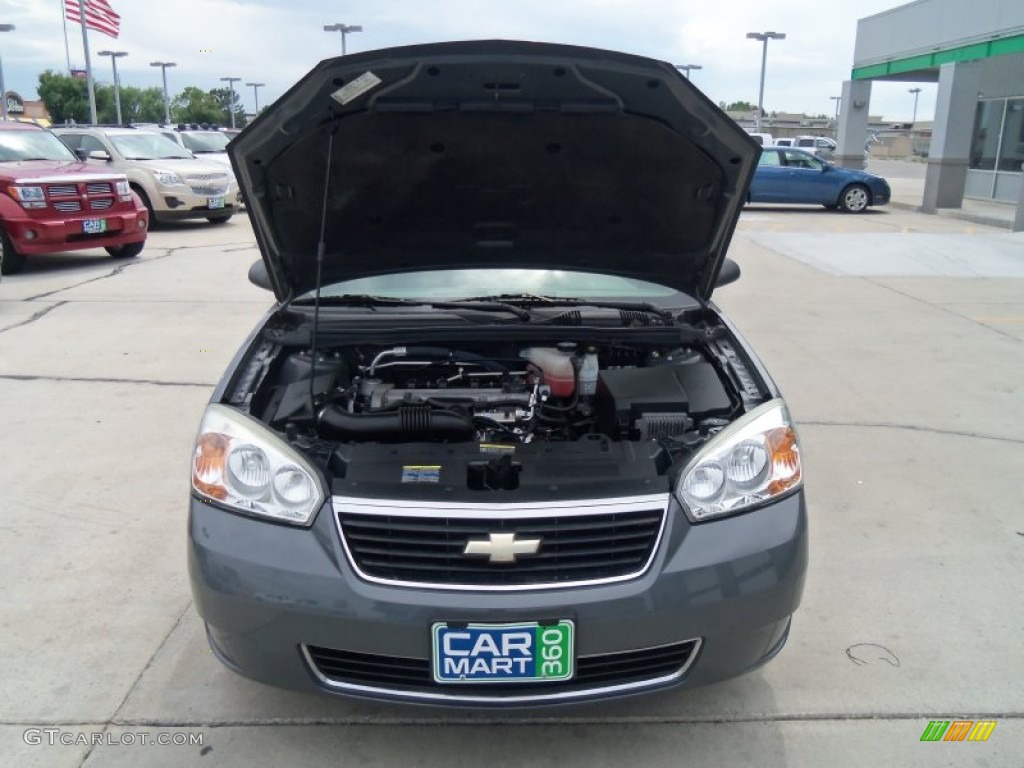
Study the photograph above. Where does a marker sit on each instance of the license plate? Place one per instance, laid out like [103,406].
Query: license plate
[215,202]
[503,653]
[94,226]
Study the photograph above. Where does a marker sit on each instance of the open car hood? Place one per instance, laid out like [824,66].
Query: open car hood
[493,154]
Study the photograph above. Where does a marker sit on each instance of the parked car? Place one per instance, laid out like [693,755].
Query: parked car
[764,139]
[171,182]
[495,445]
[51,202]
[789,175]
[204,143]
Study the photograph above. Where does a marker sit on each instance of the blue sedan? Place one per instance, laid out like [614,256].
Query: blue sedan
[787,175]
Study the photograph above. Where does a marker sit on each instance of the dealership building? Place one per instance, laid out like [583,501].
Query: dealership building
[975,52]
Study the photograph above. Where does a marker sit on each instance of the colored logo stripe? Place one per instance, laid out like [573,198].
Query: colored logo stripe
[958,730]
[982,730]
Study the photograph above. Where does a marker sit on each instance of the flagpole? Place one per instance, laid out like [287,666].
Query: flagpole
[84,6]
[64,15]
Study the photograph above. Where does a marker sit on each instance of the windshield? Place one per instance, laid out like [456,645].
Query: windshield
[450,284]
[206,141]
[148,146]
[32,145]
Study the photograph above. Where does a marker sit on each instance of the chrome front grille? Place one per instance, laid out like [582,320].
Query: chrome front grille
[98,188]
[67,206]
[580,543]
[223,177]
[411,677]
[62,190]
[101,205]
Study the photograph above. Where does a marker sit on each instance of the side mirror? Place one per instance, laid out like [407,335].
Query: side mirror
[259,276]
[729,273]
[100,154]
[81,154]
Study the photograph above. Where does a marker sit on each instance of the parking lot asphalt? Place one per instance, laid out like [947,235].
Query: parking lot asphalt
[903,372]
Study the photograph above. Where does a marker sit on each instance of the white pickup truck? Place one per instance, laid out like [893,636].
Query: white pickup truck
[822,146]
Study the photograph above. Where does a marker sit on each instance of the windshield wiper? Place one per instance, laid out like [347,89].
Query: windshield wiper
[529,299]
[364,300]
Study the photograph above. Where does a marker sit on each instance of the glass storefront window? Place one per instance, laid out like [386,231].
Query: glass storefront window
[1011,155]
[988,118]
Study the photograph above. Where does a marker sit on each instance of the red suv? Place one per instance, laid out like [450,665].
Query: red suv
[50,201]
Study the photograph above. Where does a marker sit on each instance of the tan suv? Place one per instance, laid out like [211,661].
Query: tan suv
[171,182]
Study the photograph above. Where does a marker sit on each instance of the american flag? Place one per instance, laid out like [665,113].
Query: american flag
[98,15]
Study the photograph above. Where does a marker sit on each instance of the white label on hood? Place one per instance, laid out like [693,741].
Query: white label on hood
[356,88]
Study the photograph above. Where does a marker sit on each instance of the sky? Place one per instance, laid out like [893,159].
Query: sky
[276,41]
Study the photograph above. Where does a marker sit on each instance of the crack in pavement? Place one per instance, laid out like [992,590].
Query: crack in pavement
[910,428]
[138,678]
[104,380]
[113,273]
[941,308]
[370,720]
[35,316]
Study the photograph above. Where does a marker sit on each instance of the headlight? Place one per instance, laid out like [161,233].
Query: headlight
[241,464]
[27,194]
[123,188]
[753,460]
[168,178]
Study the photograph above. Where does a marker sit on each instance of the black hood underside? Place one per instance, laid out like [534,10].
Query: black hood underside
[494,154]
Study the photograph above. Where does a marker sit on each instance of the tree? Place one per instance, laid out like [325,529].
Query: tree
[64,97]
[224,98]
[738,106]
[194,105]
[142,105]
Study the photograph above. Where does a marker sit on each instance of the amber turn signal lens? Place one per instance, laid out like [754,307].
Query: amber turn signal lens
[208,464]
[785,453]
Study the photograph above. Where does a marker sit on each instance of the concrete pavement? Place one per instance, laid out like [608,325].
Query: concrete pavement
[907,388]
[906,179]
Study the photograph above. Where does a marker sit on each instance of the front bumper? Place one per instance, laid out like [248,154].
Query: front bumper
[55,235]
[269,592]
[178,203]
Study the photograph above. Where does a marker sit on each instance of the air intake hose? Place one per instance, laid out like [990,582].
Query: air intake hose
[409,422]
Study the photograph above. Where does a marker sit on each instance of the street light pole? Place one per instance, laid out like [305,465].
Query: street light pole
[3,89]
[685,69]
[764,37]
[344,29]
[838,100]
[114,56]
[916,92]
[231,104]
[256,95]
[167,102]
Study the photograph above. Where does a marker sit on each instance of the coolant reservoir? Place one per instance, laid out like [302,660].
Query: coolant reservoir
[556,365]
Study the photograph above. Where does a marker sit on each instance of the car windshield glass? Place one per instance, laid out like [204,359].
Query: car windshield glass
[32,145]
[206,141]
[463,283]
[140,146]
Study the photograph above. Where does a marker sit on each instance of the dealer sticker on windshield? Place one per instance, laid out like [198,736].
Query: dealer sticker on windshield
[503,653]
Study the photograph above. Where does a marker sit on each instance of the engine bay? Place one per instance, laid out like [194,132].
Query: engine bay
[497,416]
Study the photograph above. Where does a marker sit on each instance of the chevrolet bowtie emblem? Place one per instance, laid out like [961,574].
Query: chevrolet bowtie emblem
[501,547]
